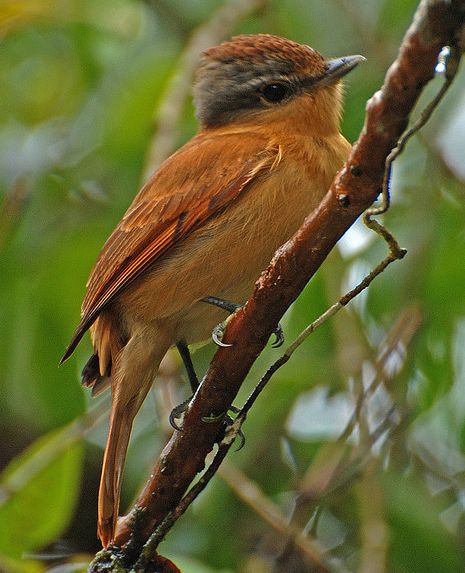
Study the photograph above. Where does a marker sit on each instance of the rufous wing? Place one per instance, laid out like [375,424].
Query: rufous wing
[191,186]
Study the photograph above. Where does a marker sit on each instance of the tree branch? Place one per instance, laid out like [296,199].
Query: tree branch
[436,23]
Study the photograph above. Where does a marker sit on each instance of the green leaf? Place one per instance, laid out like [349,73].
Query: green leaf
[38,491]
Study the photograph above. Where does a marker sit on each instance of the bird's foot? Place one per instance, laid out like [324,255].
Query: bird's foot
[232,307]
[177,413]
[227,424]
[180,409]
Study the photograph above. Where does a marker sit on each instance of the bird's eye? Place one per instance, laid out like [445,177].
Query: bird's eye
[275,92]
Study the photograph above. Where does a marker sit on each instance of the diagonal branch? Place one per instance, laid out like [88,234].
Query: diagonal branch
[437,23]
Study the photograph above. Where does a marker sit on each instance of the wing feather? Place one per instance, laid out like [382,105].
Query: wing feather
[188,189]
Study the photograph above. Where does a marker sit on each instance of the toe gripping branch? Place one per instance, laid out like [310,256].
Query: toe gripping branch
[217,335]
[232,307]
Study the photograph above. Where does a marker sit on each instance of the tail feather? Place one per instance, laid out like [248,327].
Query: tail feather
[112,470]
[91,377]
[123,412]
[130,369]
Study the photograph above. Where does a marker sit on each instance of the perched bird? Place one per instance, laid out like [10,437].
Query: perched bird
[209,220]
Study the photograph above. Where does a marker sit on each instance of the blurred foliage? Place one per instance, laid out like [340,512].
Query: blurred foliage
[81,83]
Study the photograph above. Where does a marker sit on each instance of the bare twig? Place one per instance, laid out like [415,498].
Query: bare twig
[332,310]
[449,59]
[165,525]
[251,494]
[374,530]
[399,336]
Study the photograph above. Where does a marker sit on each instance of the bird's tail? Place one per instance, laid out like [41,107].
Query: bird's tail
[121,420]
[125,405]
[132,374]
[112,470]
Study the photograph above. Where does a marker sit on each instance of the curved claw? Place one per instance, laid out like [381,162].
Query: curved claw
[217,335]
[241,438]
[176,413]
[279,334]
[172,419]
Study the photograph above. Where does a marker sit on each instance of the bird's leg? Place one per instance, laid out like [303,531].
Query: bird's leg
[179,410]
[183,350]
[185,354]
[232,307]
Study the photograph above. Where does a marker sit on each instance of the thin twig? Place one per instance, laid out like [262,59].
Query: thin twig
[165,525]
[374,531]
[250,493]
[306,545]
[450,59]
[332,310]
[270,513]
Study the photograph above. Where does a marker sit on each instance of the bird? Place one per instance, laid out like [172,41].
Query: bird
[208,221]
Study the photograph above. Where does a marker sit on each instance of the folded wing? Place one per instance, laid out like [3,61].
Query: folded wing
[170,206]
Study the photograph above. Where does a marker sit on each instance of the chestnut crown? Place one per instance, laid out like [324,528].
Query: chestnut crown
[250,73]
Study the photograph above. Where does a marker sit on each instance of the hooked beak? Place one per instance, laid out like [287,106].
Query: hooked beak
[334,71]
[339,67]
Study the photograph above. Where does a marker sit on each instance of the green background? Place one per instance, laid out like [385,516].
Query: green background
[85,86]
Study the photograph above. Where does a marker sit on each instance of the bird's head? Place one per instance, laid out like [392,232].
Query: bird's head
[257,74]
